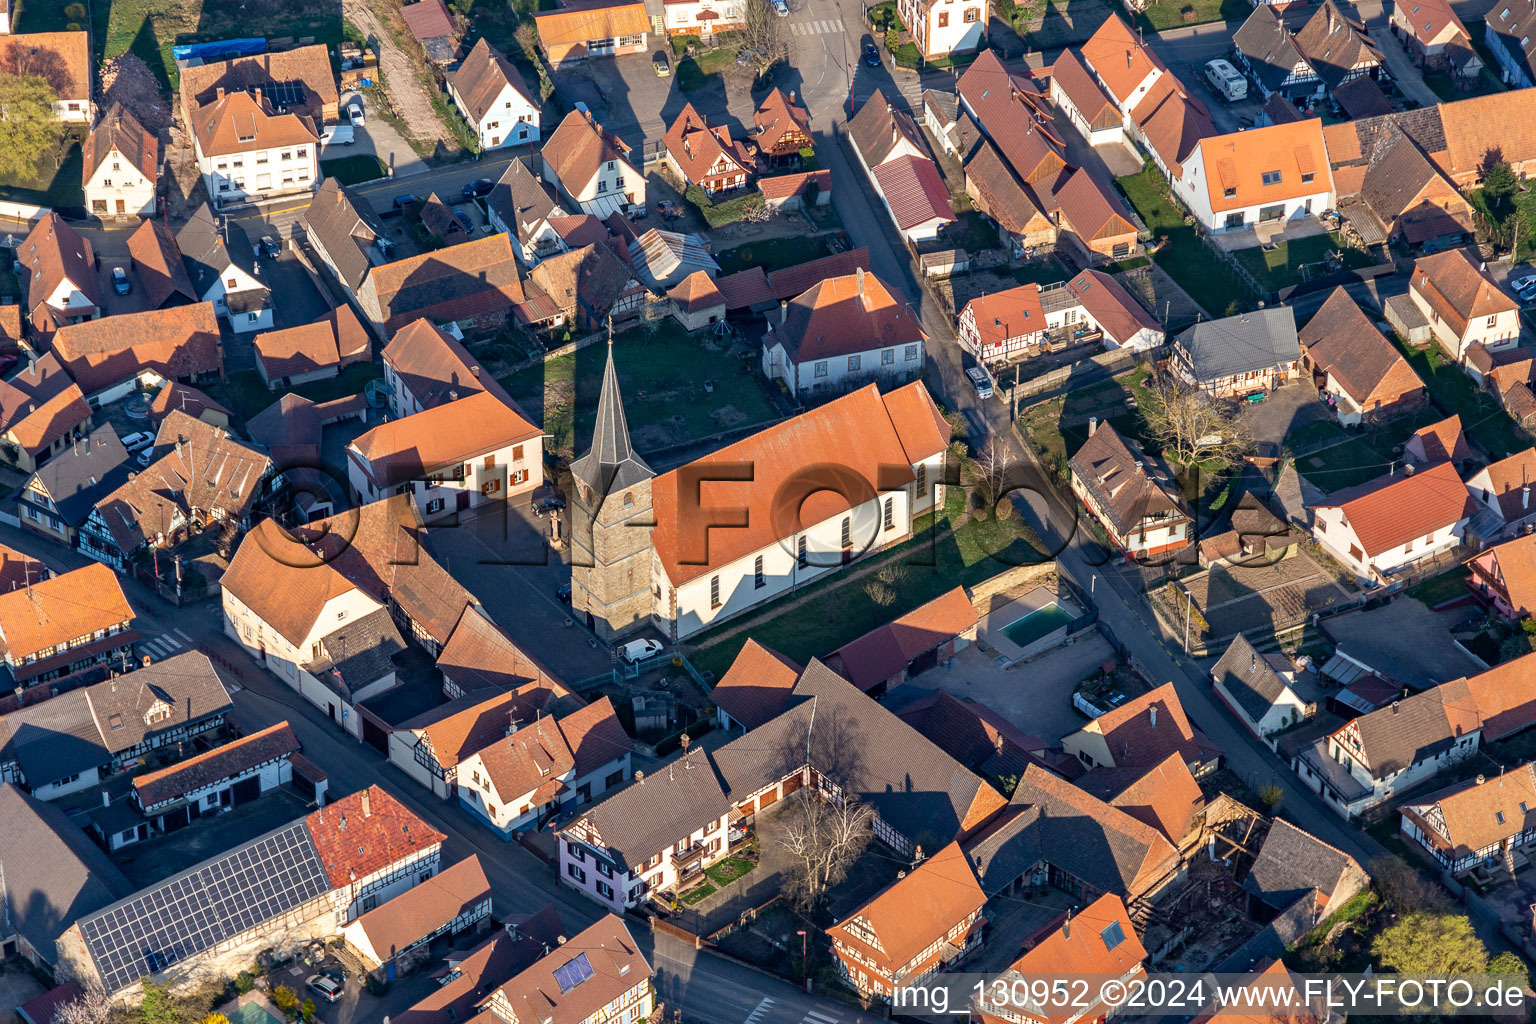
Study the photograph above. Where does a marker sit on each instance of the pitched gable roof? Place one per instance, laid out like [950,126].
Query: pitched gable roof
[1266,165]
[1118,58]
[182,341]
[1097,940]
[579,146]
[776,118]
[53,253]
[697,146]
[41,404]
[97,464]
[844,315]
[1252,679]
[482,77]
[1503,697]
[63,59]
[1343,342]
[914,912]
[1467,818]
[886,650]
[1165,796]
[1442,441]
[1291,863]
[757,686]
[614,965]
[1415,728]
[878,128]
[1146,729]
[429,907]
[1458,290]
[862,431]
[222,762]
[1392,510]
[158,260]
[364,832]
[1127,485]
[60,609]
[345,226]
[478,276]
[119,130]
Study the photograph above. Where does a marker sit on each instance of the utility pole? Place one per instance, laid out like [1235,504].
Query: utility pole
[1188,601]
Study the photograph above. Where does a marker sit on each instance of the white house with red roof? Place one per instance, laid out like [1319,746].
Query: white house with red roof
[1141,733]
[1387,525]
[843,332]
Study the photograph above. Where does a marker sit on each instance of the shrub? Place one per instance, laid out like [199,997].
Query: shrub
[244,982]
[892,40]
[307,1011]
[285,999]
[879,593]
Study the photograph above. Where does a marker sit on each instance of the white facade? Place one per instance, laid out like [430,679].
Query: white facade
[259,173]
[703,18]
[617,185]
[286,660]
[539,243]
[836,374]
[1095,137]
[511,119]
[1333,531]
[1285,711]
[482,475]
[119,188]
[271,774]
[372,958]
[1497,332]
[72,305]
[1378,791]
[1192,190]
[585,865]
[233,281]
[943,27]
[778,568]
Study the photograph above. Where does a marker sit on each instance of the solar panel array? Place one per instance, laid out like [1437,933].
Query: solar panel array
[573,972]
[197,909]
[282,95]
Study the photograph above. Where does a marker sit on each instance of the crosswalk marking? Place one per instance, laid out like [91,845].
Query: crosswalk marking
[182,635]
[815,28]
[162,646]
[758,1011]
[812,1017]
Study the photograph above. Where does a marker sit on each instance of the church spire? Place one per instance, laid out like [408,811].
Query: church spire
[610,463]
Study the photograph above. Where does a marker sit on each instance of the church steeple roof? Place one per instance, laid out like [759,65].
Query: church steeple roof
[611,463]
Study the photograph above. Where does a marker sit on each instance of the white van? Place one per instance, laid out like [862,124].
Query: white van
[980,380]
[1226,80]
[336,135]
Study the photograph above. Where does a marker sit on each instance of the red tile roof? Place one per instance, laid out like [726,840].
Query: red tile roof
[914,190]
[182,341]
[428,19]
[1120,61]
[915,911]
[1007,314]
[844,315]
[866,434]
[1089,209]
[745,288]
[367,832]
[463,280]
[1390,511]
[1458,289]
[428,907]
[1119,313]
[696,292]
[787,282]
[594,735]
[782,186]
[757,685]
[1146,729]
[616,967]
[886,651]
[1504,697]
[1097,940]
[1443,441]
[698,146]
[1167,797]
[406,449]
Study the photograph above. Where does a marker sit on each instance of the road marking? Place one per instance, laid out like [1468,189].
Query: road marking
[758,1011]
[182,635]
[812,1017]
[162,646]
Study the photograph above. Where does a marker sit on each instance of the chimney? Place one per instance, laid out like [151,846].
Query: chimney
[106,798]
[1525,496]
[145,660]
[1128,60]
[1394,707]
[1066,926]
[1408,469]
[367,808]
[1093,424]
[1152,715]
[453,395]
[218,94]
[640,776]
[791,96]
[859,274]
[1480,781]
[476,371]
[257,96]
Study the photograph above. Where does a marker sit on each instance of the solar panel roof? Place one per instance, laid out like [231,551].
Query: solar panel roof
[204,905]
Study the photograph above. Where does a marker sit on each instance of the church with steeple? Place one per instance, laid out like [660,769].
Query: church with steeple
[610,523]
[751,522]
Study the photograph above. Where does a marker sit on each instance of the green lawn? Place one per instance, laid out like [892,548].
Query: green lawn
[662,377]
[884,17]
[772,254]
[1059,427]
[49,16]
[1161,14]
[1185,259]
[1040,271]
[724,872]
[55,178]
[1452,391]
[1436,590]
[693,73]
[1364,456]
[352,170]
[693,896]
[150,28]
[1280,267]
[840,609]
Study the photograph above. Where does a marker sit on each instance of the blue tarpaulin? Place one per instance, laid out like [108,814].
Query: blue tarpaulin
[220,50]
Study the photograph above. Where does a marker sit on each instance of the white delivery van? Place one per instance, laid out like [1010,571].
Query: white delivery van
[336,135]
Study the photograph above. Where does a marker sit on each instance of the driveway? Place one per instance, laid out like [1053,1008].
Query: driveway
[296,299]
[500,554]
[407,95]
[377,137]
[1036,696]
[1294,405]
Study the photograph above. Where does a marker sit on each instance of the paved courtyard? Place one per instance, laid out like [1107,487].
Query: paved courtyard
[1036,695]
[1287,408]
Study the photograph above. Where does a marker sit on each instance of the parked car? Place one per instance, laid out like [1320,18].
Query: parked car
[479,188]
[336,135]
[1226,80]
[139,439]
[662,64]
[871,54]
[1521,284]
[355,111]
[120,282]
[781,8]
[146,456]
[323,986]
[980,380]
[402,201]
[270,247]
[639,650]
[563,593]
[553,503]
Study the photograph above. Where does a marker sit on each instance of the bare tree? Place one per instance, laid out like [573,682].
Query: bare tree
[90,1007]
[1191,426]
[763,38]
[823,837]
[987,474]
